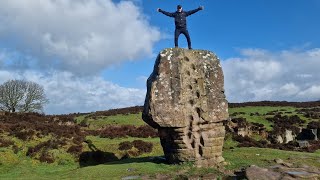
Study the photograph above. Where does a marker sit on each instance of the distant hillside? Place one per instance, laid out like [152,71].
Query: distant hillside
[138,109]
[276,103]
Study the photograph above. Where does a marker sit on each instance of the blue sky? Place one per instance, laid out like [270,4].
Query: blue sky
[227,26]
[96,54]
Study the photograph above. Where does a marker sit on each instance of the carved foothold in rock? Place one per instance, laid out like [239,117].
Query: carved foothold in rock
[185,101]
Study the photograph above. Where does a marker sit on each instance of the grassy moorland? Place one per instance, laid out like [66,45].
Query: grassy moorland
[120,119]
[102,146]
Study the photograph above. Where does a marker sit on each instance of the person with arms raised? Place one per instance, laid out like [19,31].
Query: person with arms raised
[180,19]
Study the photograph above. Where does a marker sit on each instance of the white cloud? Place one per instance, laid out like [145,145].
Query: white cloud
[263,75]
[253,52]
[311,93]
[68,93]
[289,89]
[80,36]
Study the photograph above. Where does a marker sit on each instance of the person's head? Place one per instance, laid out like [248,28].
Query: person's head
[179,8]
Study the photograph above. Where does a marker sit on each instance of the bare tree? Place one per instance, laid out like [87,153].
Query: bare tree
[24,96]
[11,93]
[34,98]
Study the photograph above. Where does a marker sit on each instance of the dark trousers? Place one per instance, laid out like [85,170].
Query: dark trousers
[177,33]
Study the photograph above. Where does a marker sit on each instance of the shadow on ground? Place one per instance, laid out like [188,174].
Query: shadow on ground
[96,157]
[93,158]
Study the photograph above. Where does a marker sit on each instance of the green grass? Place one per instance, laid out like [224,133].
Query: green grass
[130,119]
[116,170]
[30,169]
[25,167]
[80,118]
[143,166]
[15,166]
[243,157]
[111,145]
[229,143]
[256,119]
[263,110]
[304,118]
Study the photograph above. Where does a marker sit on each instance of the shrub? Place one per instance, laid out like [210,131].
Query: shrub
[135,148]
[76,150]
[276,104]
[6,143]
[126,145]
[78,140]
[128,130]
[84,123]
[257,124]
[282,123]
[45,157]
[241,122]
[133,153]
[15,149]
[113,112]
[143,147]
[27,125]
[249,142]
[314,146]
[47,145]
[145,132]
[314,125]
[24,135]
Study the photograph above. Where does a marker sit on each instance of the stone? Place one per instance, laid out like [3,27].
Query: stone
[185,101]
[315,132]
[279,139]
[289,136]
[255,172]
[131,177]
[282,137]
[279,161]
[302,175]
[280,172]
[303,144]
[243,131]
[286,164]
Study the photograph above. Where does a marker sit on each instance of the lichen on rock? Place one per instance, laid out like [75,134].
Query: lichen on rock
[185,101]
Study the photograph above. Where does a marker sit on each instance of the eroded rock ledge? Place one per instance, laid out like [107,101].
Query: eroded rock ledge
[185,101]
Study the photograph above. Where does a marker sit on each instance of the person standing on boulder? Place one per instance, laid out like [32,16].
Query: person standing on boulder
[180,20]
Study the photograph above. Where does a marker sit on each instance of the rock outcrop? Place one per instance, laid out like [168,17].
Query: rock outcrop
[282,171]
[185,101]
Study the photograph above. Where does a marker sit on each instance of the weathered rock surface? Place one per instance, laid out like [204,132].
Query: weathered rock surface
[185,101]
[280,172]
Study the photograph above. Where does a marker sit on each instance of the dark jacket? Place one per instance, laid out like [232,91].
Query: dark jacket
[180,18]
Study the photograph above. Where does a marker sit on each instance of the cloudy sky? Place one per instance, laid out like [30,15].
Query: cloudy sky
[96,54]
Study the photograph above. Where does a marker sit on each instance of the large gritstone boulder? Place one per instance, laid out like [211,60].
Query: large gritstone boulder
[185,101]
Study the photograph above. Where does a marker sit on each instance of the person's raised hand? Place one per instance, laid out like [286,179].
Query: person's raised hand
[158,9]
[201,7]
